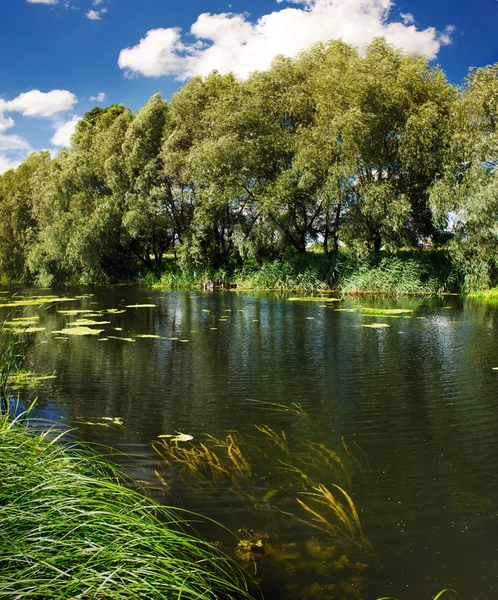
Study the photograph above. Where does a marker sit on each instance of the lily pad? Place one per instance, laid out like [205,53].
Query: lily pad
[121,339]
[148,336]
[178,437]
[102,421]
[78,331]
[140,306]
[27,379]
[87,323]
[37,301]
[385,311]
[73,313]
[312,299]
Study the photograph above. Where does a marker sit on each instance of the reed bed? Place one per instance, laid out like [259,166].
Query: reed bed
[72,529]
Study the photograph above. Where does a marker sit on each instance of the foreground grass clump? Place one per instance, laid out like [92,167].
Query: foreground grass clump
[71,530]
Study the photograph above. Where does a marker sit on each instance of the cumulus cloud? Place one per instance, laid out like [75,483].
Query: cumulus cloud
[13,149]
[43,1]
[6,123]
[231,42]
[40,104]
[100,97]
[95,15]
[62,136]
[408,18]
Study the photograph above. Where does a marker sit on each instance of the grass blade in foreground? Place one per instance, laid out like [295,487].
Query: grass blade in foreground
[69,530]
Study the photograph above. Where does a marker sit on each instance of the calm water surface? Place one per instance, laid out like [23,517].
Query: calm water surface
[418,400]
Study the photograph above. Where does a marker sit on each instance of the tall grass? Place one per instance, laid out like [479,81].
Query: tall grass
[70,529]
[11,359]
[300,274]
[490,296]
[408,273]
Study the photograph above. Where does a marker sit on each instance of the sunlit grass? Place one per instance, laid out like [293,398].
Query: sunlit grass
[71,529]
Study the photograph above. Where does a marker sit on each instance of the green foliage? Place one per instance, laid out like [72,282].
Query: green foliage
[71,528]
[299,273]
[404,274]
[468,189]
[375,150]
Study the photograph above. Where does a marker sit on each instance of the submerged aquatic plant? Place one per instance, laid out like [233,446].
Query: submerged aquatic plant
[212,460]
[334,515]
[71,529]
[293,407]
[436,597]
[23,378]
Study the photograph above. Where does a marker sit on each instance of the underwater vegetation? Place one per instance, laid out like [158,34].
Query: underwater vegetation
[281,487]
[436,597]
[24,378]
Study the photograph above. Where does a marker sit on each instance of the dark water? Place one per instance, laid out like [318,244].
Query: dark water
[417,400]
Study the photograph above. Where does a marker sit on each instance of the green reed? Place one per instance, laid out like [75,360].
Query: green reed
[72,529]
[12,356]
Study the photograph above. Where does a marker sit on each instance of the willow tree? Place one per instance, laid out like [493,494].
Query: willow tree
[146,221]
[17,222]
[79,223]
[466,197]
[380,119]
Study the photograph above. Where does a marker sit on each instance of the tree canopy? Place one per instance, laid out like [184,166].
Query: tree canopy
[374,149]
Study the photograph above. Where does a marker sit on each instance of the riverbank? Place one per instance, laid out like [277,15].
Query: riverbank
[71,528]
[408,272]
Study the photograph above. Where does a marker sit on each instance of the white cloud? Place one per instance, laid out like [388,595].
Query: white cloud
[100,97]
[155,55]
[231,42]
[40,104]
[5,123]
[62,136]
[43,1]
[408,18]
[13,150]
[95,15]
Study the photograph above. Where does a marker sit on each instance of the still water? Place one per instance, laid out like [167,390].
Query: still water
[410,407]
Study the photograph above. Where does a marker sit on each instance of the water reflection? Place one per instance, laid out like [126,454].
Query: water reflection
[419,398]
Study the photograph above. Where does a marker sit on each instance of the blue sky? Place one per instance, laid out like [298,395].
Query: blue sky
[62,57]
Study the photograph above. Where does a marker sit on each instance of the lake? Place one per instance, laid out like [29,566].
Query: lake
[402,416]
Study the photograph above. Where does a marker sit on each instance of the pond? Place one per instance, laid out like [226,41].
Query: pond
[352,445]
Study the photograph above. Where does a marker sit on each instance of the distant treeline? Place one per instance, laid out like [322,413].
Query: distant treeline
[376,150]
